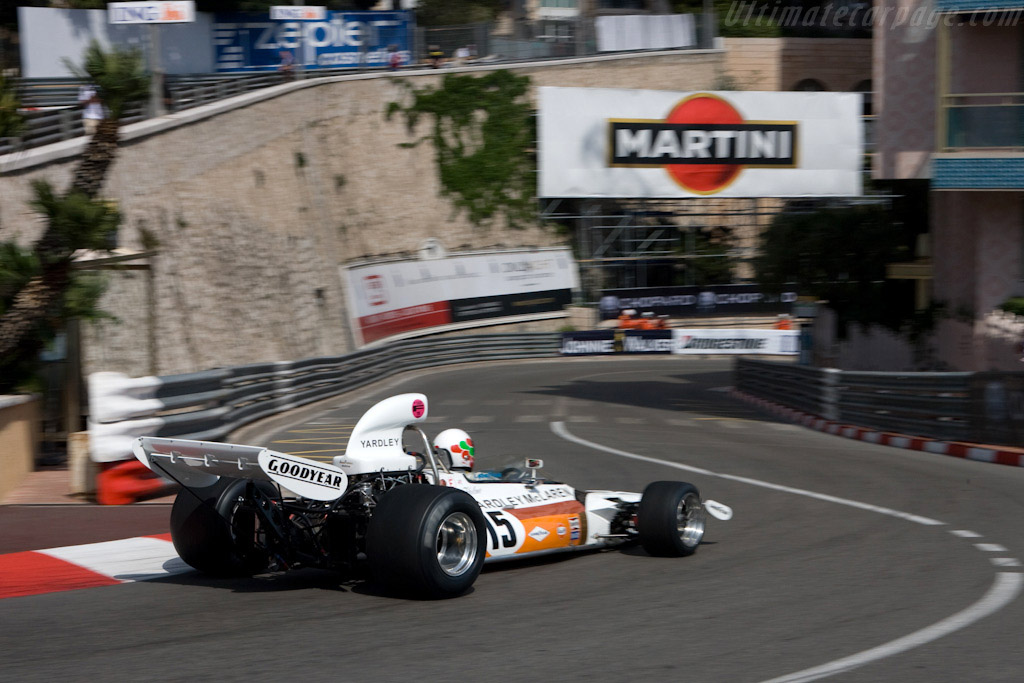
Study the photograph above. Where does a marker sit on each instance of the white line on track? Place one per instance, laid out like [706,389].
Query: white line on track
[559,429]
[1006,561]
[965,533]
[990,547]
[1004,590]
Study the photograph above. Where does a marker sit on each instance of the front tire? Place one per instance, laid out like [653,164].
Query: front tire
[428,541]
[671,519]
[214,529]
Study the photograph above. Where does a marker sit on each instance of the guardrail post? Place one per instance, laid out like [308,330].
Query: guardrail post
[830,394]
[67,125]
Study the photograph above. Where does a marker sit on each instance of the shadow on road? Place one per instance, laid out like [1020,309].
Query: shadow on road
[704,394]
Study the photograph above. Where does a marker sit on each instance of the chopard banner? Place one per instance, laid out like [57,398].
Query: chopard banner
[604,342]
[713,300]
[703,341]
[391,298]
[599,142]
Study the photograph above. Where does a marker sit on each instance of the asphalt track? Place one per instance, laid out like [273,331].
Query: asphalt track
[844,559]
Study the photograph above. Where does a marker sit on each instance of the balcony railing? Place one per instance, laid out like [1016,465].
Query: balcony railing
[982,121]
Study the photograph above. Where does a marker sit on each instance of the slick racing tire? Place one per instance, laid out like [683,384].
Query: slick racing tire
[214,532]
[426,541]
[671,519]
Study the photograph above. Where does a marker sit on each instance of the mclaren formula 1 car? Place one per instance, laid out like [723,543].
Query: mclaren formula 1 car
[414,517]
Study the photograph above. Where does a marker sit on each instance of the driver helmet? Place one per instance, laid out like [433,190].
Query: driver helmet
[459,447]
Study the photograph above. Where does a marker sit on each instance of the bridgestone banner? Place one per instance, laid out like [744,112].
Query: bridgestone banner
[701,341]
[386,299]
[598,142]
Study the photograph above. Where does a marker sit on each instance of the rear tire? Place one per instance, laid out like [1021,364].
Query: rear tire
[427,541]
[213,532]
[671,519]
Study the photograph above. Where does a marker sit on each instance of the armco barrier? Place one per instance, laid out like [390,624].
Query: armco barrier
[953,406]
[937,405]
[210,405]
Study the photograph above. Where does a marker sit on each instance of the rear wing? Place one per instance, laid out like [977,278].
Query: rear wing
[197,464]
[374,446]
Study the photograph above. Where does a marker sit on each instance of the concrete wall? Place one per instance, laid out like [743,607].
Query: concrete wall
[754,63]
[840,64]
[19,434]
[254,209]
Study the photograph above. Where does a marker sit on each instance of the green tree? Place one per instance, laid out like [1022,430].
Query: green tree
[38,287]
[711,261]
[483,134]
[840,255]
[121,80]
[10,120]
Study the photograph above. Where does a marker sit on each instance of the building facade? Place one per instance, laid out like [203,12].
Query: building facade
[950,111]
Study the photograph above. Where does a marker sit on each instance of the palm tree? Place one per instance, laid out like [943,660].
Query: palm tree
[10,120]
[121,80]
[39,295]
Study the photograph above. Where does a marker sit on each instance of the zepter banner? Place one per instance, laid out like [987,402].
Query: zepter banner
[598,142]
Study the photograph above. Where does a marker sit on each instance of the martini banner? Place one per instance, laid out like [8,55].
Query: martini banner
[599,142]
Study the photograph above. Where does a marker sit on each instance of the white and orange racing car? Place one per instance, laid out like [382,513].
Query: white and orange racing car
[415,515]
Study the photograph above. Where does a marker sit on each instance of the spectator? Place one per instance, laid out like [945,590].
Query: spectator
[93,110]
[783,322]
[395,58]
[461,55]
[287,66]
[436,56]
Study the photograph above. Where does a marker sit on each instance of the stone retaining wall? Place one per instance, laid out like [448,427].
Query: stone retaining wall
[254,209]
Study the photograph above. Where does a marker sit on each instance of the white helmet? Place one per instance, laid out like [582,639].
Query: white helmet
[459,447]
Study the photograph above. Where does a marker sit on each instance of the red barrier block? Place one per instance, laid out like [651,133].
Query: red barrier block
[126,482]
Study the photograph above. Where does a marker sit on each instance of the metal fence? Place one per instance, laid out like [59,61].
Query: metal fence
[211,405]
[952,406]
[51,111]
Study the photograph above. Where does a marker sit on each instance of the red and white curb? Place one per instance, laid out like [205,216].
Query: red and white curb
[956,449]
[87,566]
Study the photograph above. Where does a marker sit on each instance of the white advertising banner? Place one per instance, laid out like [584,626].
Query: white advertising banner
[600,142]
[298,13]
[391,298]
[644,32]
[702,341]
[157,12]
[49,36]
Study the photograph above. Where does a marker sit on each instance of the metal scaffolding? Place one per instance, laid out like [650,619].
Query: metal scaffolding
[625,243]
